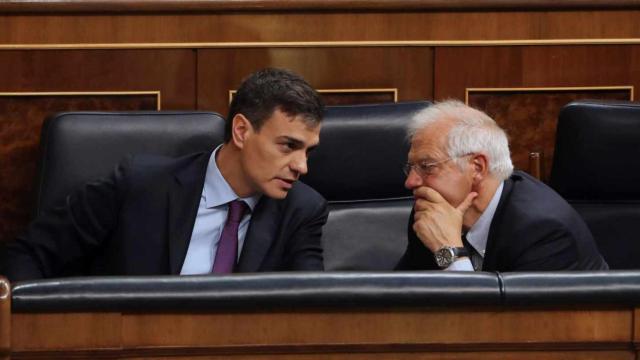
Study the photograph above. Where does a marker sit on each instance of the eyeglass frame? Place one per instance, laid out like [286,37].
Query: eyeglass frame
[422,168]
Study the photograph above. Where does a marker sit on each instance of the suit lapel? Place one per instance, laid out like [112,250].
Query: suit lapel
[184,198]
[260,235]
[490,262]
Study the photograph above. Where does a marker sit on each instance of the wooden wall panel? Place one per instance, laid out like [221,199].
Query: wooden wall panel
[66,331]
[530,117]
[453,355]
[358,96]
[407,326]
[345,25]
[171,72]
[21,117]
[409,70]
[458,68]
[5,318]
[384,333]
[163,6]
[531,120]
[351,96]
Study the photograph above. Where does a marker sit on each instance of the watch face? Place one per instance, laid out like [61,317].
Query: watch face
[444,257]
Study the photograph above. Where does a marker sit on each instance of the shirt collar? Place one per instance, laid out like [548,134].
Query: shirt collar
[217,190]
[479,233]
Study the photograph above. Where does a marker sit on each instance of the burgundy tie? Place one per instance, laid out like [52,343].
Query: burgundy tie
[228,244]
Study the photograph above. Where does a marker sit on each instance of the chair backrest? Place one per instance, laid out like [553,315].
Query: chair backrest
[358,168]
[80,146]
[594,168]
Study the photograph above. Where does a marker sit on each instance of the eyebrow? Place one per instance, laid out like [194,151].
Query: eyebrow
[299,144]
[425,159]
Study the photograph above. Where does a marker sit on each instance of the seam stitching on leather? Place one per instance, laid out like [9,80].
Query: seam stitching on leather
[503,294]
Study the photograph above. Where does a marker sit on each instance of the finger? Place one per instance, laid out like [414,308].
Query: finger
[423,205]
[467,202]
[418,215]
[429,194]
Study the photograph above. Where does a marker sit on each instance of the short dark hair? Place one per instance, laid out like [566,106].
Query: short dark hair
[269,89]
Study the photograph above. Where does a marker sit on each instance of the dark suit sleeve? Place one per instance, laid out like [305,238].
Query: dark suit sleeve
[63,240]
[417,256]
[305,246]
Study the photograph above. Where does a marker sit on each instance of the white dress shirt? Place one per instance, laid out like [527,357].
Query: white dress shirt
[478,234]
[210,220]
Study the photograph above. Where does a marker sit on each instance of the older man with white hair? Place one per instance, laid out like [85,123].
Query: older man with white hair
[474,212]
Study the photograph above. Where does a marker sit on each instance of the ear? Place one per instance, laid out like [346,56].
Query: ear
[241,130]
[479,164]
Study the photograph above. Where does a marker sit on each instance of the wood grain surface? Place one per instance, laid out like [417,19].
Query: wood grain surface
[234,28]
[5,318]
[406,69]
[587,333]
[39,6]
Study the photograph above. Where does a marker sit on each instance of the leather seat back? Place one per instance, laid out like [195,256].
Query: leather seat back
[594,168]
[77,147]
[358,168]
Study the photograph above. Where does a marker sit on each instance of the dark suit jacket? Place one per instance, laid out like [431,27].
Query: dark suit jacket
[532,229]
[139,222]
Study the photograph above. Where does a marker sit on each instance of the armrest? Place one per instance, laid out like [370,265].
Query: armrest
[256,291]
[572,288]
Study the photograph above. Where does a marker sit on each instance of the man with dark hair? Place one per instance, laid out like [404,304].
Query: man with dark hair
[269,89]
[237,208]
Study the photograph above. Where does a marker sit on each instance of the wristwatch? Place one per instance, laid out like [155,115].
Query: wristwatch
[446,255]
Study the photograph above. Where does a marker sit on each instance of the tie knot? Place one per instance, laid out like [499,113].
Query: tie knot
[236,210]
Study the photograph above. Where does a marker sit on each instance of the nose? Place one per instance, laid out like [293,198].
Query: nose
[413,180]
[299,164]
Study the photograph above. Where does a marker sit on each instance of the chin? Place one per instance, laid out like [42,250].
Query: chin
[277,194]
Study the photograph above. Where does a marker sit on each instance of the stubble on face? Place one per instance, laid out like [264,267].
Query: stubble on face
[274,157]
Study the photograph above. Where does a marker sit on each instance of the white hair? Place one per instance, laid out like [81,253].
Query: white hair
[473,132]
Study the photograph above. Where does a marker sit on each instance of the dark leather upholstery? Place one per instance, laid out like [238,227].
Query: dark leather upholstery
[362,150]
[594,168]
[81,146]
[366,235]
[358,168]
[597,143]
[323,290]
[282,290]
[571,288]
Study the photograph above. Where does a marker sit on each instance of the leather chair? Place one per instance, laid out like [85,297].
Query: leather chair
[358,169]
[77,147]
[595,169]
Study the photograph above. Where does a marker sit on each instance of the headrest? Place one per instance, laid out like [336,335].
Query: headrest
[597,147]
[80,146]
[362,151]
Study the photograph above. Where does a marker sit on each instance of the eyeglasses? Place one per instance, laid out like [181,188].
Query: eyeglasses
[424,168]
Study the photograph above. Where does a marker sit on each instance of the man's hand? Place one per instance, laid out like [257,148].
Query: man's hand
[436,222]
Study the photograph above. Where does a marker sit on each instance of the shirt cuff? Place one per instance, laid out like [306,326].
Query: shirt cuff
[463,264]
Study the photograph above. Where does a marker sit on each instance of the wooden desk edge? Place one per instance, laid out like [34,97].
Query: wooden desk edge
[5,317]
